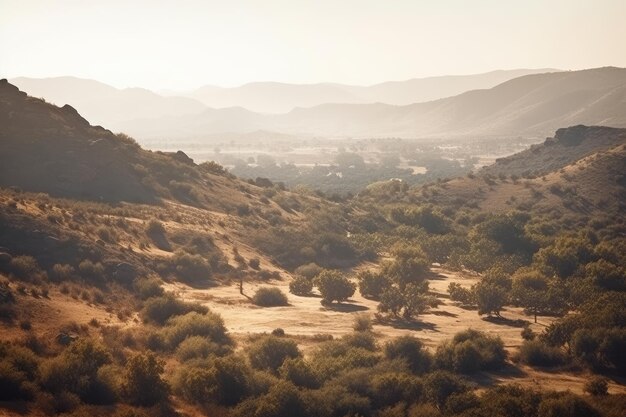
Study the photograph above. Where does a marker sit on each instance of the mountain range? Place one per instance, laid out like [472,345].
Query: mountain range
[532,105]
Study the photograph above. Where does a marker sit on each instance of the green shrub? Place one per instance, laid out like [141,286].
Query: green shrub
[471,351]
[224,381]
[301,285]
[209,325]
[148,288]
[372,285]
[299,372]
[92,272]
[362,323]
[61,272]
[440,385]
[309,271]
[363,340]
[334,286]
[538,353]
[190,268]
[269,352]
[160,309]
[76,371]
[270,297]
[197,347]
[391,388]
[25,268]
[410,349]
[142,383]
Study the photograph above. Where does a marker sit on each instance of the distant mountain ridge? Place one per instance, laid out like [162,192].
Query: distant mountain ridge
[533,105]
[273,97]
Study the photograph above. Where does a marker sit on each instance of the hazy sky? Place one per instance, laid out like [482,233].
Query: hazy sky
[187,43]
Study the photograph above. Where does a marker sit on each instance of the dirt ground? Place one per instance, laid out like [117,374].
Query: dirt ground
[305,317]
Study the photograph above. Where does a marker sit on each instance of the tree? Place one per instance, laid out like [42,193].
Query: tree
[531,290]
[143,384]
[490,298]
[408,303]
[371,284]
[334,286]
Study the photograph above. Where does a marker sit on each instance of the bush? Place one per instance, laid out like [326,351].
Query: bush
[299,373]
[309,271]
[255,263]
[471,351]
[391,388]
[372,285]
[91,272]
[596,386]
[269,352]
[270,297]
[148,288]
[197,347]
[76,371]
[61,273]
[412,350]
[334,287]
[440,385]
[301,285]
[209,325]
[225,381]
[362,323]
[537,353]
[566,405]
[190,268]
[160,309]
[142,383]
[25,268]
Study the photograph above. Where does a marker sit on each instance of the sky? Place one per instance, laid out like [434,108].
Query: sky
[185,44]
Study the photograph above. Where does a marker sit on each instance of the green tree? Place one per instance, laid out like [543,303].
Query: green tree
[490,298]
[334,286]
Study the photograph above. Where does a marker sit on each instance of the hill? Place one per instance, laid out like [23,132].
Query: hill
[532,106]
[271,97]
[105,105]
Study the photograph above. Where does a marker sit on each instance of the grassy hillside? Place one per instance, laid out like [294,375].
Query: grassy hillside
[135,283]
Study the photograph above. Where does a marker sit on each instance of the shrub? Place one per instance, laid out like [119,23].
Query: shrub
[225,381]
[362,323]
[76,371]
[410,349]
[537,353]
[255,263]
[301,285]
[269,352]
[470,351]
[91,272]
[440,385]
[596,386]
[209,325]
[566,405]
[334,286]
[391,388]
[299,373]
[148,288]
[142,383]
[465,296]
[25,268]
[372,285]
[309,271]
[190,268]
[363,340]
[61,272]
[196,347]
[270,297]
[160,309]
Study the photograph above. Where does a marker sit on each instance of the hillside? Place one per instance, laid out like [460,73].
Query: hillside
[105,105]
[532,105]
[137,283]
